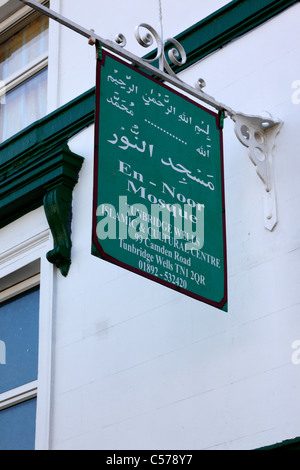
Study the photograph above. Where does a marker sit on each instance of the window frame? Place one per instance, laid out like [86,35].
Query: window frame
[20,257]
[18,395]
[10,26]
[27,391]
[25,73]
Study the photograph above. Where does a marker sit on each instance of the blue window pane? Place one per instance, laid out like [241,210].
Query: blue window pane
[17,426]
[19,327]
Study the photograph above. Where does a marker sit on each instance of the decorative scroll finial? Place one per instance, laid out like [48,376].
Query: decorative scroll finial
[177,55]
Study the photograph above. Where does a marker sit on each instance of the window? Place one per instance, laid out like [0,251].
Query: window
[19,339]
[23,74]
[23,267]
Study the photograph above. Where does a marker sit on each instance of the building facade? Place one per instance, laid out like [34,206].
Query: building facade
[95,356]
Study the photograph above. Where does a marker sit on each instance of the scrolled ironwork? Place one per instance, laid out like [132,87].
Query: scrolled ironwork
[147,36]
[200,84]
[148,40]
[120,39]
[177,55]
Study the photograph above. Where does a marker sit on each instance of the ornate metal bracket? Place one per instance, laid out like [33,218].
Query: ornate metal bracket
[176,54]
[256,133]
[259,135]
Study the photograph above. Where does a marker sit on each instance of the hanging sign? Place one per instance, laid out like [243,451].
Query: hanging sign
[158,207]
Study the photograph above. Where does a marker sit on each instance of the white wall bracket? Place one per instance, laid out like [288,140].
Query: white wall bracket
[259,135]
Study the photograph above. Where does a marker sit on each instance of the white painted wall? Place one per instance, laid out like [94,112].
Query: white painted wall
[136,365]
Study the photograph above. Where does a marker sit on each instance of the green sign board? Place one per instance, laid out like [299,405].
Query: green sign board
[158,207]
